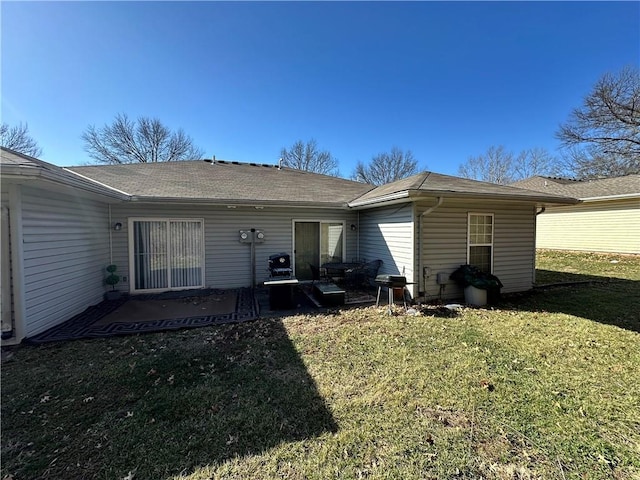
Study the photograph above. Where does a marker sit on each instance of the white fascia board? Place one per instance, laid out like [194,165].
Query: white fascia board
[383,199]
[611,197]
[102,186]
[23,174]
[394,198]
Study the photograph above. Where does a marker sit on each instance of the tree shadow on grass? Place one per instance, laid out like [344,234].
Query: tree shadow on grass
[605,300]
[177,402]
[554,277]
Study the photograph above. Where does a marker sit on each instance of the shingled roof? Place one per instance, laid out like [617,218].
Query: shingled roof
[601,189]
[235,183]
[435,184]
[13,162]
[18,165]
[225,182]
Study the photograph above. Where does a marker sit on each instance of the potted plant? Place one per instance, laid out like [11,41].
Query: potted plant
[112,279]
[477,284]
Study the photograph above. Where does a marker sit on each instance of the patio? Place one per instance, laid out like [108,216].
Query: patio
[155,313]
[183,309]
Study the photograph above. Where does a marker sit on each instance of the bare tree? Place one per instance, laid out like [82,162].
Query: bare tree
[307,156]
[535,161]
[577,164]
[138,141]
[602,137]
[17,138]
[386,167]
[495,166]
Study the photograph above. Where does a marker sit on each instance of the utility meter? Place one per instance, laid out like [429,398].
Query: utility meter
[245,236]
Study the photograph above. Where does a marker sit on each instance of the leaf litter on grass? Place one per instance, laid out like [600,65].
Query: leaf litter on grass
[542,388]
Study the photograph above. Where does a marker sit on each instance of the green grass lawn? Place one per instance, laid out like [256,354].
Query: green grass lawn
[562,266]
[547,385]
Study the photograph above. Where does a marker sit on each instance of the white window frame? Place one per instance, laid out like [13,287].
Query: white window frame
[493,229]
[132,273]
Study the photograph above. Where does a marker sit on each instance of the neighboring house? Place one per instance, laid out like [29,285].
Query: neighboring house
[170,226]
[606,220]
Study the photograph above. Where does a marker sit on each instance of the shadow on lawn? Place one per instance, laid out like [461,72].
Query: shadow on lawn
[553,277]
[249,392]
[605,300]
[174,403]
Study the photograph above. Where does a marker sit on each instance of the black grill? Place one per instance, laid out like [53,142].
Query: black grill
[391,281]
[280,265]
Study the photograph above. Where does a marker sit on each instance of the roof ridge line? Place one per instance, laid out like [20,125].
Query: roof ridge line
[427,174]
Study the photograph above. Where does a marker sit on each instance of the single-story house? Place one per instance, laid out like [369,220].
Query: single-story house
[177,225]
[607,219]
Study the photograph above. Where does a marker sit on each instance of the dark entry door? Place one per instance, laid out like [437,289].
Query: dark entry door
[307,248]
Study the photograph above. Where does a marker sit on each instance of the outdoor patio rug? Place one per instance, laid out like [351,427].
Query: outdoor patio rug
[155,313]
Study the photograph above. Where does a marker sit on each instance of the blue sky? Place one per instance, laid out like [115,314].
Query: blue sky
[444,80]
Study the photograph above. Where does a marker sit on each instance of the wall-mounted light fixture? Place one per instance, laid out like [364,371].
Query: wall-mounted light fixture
[353,227]
[117,226]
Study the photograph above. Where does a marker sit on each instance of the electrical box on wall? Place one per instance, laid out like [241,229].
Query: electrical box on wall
[246,236]
[251,236]
[442,278]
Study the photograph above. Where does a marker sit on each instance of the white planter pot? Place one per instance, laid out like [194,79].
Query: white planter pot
[475,296]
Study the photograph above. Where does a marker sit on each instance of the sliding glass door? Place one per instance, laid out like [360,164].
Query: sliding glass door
[167,254]
[331,242]
[315,243]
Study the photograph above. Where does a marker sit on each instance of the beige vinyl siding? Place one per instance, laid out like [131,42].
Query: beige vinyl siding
[602,226]
[387,234]
[227,261]
[444,243]
[65,251]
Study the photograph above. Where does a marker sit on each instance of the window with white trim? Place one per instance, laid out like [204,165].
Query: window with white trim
[480,241]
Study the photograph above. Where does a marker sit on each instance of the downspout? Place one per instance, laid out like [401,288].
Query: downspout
[358,237]
[110,239]
[423,278]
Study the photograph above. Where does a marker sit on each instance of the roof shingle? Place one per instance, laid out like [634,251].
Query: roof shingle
[249,183]
[627,185]
[437,184]
[222,181]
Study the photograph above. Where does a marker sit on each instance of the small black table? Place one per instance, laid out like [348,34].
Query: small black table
[329,294]
[281,293]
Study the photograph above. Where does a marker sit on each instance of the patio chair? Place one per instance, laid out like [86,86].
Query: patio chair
[370,272]
[354,277]
[318,274]
[364,275]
